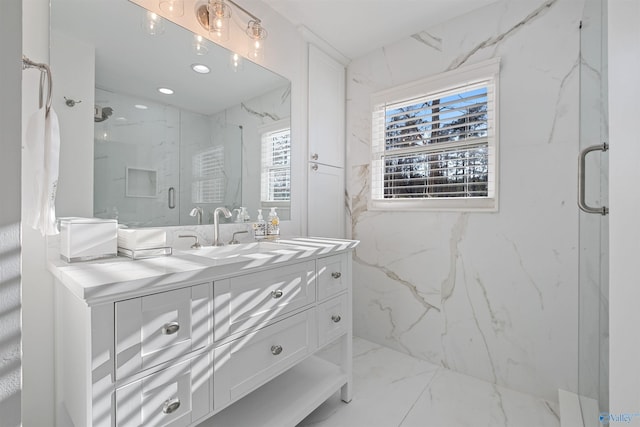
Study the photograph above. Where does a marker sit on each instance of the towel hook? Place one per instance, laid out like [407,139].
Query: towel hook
[71,102]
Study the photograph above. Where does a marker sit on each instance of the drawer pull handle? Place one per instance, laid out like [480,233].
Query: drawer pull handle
[276,294]
[171,406]
[336,275]
[336,318]
[170,328]
[276,350]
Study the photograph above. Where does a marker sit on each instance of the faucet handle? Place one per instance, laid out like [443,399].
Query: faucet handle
[233,239]
[196,245]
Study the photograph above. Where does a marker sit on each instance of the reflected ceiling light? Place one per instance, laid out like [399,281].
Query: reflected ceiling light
[141,106]
[235,61]
[152,23]
[165,90]
[172,8]
[215,17]
[199,45]
[200,68]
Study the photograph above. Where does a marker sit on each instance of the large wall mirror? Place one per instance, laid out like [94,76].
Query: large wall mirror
[221,139]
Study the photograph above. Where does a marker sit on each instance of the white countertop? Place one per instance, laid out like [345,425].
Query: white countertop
[117,278]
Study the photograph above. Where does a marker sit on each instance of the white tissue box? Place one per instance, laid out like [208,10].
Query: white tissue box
[141,238]
[83,239]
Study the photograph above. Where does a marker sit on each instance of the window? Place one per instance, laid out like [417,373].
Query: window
[276,163]
[208,176]
[434,142]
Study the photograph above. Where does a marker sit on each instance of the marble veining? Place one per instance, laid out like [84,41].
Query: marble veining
[457,233]
[494,40]
[429,40]
[261,115]
[559,100]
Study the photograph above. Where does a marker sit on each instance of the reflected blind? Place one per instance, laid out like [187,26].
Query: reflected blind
[276,166]
[439,145]
[208,176]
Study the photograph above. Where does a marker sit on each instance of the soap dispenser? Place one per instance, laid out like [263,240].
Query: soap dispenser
[243,215]
[273,225]
[259,227]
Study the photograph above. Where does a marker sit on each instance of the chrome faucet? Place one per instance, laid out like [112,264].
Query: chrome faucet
[197,212]
[216,224]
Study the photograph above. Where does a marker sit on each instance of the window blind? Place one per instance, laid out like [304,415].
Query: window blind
[276,166]
[438,145]
[208,176]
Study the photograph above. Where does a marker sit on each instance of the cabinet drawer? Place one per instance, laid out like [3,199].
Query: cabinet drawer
[175,397]
[332,275]
[157,328]
[333,319]
[248,362]
[246,301]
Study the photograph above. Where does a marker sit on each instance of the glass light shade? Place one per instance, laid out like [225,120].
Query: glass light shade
[219,15]
[152,23]
[199,45]
[257,34]
[172,8]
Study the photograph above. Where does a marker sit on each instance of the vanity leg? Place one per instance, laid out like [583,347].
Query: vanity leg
[345,392]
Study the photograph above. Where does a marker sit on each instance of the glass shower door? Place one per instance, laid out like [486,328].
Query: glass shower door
[593,286]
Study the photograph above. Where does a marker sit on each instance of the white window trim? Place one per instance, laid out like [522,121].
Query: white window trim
[268,128]
[482,71]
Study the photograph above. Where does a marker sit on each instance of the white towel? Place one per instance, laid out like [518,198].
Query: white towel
[42,153]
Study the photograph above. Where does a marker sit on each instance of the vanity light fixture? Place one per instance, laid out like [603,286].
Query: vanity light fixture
[152,23]
[165,90]
[219,14]
[200,68]
[173,8]
[141,107]
[215,15]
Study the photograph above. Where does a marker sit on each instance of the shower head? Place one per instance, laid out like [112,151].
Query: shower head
[102,113]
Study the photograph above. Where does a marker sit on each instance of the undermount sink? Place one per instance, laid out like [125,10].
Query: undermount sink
[232,251]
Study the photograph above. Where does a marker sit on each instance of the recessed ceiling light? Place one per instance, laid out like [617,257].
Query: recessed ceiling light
[200,68]
[165,90]
[141,106]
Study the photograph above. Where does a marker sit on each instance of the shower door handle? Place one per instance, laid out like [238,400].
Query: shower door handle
[172,198]
[581,180]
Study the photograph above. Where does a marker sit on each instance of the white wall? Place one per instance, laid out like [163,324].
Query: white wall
[37,302]
[10,250]
[624,90]
[493,295]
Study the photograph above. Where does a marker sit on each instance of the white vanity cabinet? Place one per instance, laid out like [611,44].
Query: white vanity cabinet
[225,345]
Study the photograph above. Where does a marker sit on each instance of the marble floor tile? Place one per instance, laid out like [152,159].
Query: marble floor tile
[392,389]
[386,383]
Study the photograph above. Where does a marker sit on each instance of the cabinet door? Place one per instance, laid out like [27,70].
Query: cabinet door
[245,364]
[326,201]
[252,300]
[332,275]
[157,328]
[326,109]
[333,319]
[176,396]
